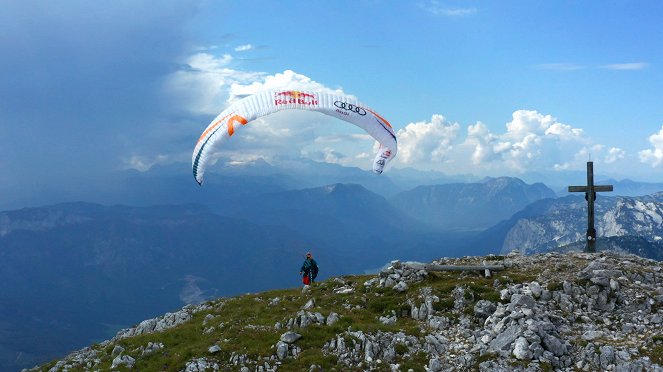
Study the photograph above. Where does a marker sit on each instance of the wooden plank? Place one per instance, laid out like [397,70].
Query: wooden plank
[433,267]
[584,188]
[603,188]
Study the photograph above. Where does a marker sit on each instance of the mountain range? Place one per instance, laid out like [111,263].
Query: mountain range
[469,206]
[552,223]
[74,273]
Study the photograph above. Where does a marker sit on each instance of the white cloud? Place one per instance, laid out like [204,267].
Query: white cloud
[201,86]
[653,156]
[243,48]
[486,145]
[587,153]
[286,80]
[614,154]
[561,167]
[143,163]
[527,122]
[627,66]
[531,140]
[424,142]
[207,83]
[563,131]
[434,7]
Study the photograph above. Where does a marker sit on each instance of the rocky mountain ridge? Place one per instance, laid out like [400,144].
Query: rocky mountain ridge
[549,224]
[552,311]
[469,206]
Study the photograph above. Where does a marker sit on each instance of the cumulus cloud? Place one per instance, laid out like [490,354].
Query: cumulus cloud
[486,145]
[286,80]
[243,48]
[530,141]
[614,154]
[563,131]
[529,137]
[653,156]
[203,83]
[426,141]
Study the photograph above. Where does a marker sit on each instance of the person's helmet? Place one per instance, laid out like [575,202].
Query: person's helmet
[308,254]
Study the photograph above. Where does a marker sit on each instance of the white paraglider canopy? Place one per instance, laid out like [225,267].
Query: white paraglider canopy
[268,102]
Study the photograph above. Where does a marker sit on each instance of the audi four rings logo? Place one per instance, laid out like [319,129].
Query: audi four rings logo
[350,107]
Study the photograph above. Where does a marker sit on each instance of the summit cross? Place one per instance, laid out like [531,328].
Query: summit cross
[590,195]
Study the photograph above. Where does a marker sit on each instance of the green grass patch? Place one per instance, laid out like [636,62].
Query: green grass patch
[444,305]
[484,358]
[417,362]
[656,354]
[555,286]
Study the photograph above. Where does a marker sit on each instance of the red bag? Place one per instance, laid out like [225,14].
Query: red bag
[306,280]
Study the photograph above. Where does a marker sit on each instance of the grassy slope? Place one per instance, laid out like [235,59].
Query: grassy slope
[245,324]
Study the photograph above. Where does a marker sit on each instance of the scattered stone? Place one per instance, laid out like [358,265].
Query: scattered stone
[152,347]
[309,305]
[281,350]
[117,350]
[332,318]
[274,302]
[346,289]
[214,349]
[536,289]
[290,337]
[200,365]
[592,335]
[123,360]
[484,308]
[400,287]
[207,319]
[388,320]
[521,349]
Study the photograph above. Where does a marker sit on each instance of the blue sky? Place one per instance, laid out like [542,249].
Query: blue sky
[488,88]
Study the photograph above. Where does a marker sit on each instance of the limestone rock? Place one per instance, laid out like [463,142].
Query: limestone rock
[290,337]
[123,360]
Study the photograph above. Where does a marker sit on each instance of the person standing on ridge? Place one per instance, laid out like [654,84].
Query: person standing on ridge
[309,269]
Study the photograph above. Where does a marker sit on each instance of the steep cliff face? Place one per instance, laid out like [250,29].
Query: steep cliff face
[557,311]
[564,221]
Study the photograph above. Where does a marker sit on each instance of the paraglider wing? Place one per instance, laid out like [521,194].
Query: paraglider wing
[247,109]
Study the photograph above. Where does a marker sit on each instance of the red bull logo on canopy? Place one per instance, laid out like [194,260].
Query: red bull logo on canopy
[295,97]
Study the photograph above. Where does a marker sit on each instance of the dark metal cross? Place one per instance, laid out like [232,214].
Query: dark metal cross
[590,195]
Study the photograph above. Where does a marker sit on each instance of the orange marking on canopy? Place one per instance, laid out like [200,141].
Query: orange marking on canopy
[379,117]
[231,128]
[211,127]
